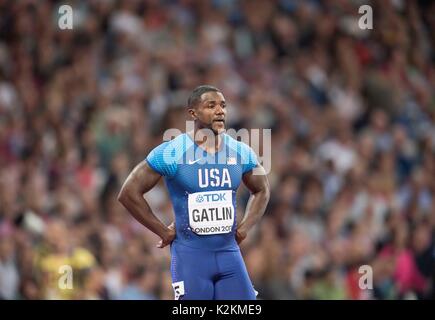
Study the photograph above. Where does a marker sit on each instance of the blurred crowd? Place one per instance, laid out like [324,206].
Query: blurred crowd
[352,114]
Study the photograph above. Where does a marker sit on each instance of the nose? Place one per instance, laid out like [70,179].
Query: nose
[220,110]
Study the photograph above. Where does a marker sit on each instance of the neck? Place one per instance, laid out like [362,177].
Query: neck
[209,143]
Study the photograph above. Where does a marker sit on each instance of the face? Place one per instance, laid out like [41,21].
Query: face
[210,112]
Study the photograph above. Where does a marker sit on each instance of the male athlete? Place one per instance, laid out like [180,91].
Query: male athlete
[202,178]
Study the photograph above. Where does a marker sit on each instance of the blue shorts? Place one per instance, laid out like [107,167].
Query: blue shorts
[209,275]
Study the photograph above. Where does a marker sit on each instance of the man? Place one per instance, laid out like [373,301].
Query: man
[202,178]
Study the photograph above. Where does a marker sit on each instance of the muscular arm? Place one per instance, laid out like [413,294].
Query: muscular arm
[258,185]
[141,180]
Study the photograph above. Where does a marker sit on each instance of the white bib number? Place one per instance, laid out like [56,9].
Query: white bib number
[211,212]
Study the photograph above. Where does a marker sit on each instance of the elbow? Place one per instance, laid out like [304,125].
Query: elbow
[264,194]
[266,191]
[122,195]
[128,195]
[267,194]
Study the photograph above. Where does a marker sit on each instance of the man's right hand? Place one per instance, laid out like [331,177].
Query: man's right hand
[240,235]
[168,237]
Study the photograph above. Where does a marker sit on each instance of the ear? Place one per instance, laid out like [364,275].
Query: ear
[192,113]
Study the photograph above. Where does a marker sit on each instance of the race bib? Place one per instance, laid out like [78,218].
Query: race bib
[211,212]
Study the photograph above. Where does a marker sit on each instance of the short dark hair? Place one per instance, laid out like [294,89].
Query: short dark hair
[195,96]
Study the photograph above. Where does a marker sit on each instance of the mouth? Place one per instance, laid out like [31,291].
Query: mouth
[219,121]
